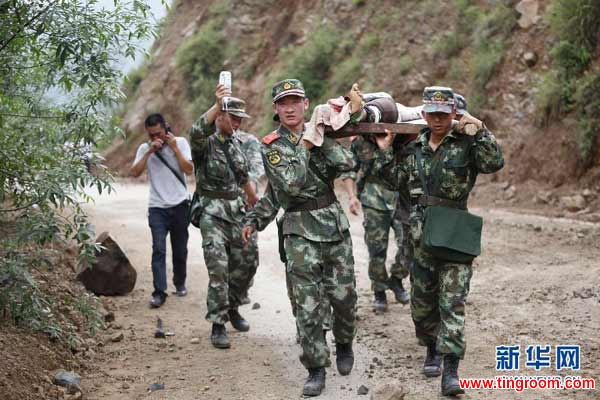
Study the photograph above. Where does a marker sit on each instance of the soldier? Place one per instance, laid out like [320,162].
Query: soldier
[256,172]
[221,170]
[379,201]
[317,242]
[440,168]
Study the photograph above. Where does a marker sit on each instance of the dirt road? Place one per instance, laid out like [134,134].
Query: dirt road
[537,282]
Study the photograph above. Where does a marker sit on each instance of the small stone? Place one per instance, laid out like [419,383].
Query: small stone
[156,386]
[109,316]
[362,390]
[195,340]
[117,337]
[206,388]
[255,306]
[530,58]
[266,363]
[125,385]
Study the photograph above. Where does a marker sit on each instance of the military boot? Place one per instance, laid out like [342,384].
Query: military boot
[315,383]
[237,321]
[344,358]
[450,382]
[433,361]
[380,301]
[399,292]
[218,337]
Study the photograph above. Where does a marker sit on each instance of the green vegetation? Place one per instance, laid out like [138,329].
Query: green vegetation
[58,82]
[570,86]
[201,58]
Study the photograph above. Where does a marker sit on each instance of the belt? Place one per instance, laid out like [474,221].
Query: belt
[314,204]
[219,194]
[427,201]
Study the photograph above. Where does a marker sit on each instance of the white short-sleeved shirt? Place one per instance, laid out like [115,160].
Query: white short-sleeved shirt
[165,189]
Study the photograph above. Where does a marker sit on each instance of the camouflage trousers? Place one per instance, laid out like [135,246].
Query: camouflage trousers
[228,271]
[319,270]
[326,309]
[377,224]
[250,256]
[439,291]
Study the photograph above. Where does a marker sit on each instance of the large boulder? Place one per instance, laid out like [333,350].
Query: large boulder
[112,273]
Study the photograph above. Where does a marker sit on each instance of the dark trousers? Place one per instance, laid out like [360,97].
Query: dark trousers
[172,221]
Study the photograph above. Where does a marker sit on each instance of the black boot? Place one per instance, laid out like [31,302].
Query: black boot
[237,321]
[380,301]
[399,292]
[218,337]
[344,358]
[433,361]
[315,382]
[450,382]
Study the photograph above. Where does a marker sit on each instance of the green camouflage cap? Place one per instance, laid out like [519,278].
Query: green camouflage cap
[438,99]
[235,106]
[287,87]
[461,104]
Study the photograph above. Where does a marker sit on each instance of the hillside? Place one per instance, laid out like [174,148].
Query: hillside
[498,57]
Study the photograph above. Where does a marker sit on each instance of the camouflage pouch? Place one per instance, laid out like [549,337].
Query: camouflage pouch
[451,234]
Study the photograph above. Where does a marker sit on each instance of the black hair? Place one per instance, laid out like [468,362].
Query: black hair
[155,119]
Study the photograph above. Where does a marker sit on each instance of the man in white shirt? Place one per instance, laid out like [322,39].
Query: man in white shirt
[168,159]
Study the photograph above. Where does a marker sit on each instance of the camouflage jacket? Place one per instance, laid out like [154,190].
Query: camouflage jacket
[251,149]
[214,172]
[293,182]
[373,192]
[449,172]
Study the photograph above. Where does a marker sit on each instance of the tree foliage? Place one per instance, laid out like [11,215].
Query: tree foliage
[59,77]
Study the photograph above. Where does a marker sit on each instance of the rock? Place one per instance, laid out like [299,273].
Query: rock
[111,273]
[390,390]
[69,380]
[195,340]
[510,193]
[588,194]
[505,185]
[125,385]
[255,306]
[530,58]
[544,197]
[117,337]
[109,316]
[529,13]
[573,203]
[362,390]
[155,386]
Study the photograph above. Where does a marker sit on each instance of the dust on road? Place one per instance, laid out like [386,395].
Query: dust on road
[537,282]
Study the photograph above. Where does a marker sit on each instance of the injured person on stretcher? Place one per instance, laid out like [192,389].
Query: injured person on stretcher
[356,107]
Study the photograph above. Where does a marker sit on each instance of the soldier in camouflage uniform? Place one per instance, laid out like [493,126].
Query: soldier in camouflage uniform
[379,201]
[452,155]
[317,241]
[221,175]
[256,171]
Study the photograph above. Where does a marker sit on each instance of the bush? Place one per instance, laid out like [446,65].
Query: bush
[550,100]
[588,113]
[484,63]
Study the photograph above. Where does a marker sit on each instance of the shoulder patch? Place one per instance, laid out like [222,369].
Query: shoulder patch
[273,157]
[270,138]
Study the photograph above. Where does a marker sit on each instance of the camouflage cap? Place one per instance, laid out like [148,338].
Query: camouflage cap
[287,87]
[461,104]
[235,106]
[438,99]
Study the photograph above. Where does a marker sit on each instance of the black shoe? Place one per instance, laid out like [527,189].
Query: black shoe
[433,361]
[237,321]
[244,299]
[180,291]
[344,358]
[218,337]
[450,382]
[315,383]
[399,292]
[380,301]
[157,300]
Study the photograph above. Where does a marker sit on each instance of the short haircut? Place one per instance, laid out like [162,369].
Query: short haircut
[155,119]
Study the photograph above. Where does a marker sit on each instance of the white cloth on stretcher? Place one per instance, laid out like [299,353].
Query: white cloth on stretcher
[336,113]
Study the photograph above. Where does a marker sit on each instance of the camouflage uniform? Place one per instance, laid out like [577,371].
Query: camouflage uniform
[250,147]
[218,183]
[439,287]
[317,242]
[379,200]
